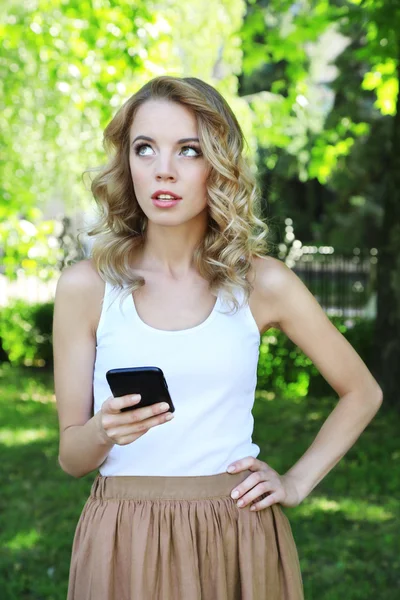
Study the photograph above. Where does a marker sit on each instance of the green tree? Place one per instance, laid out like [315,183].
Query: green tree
[65,68]
[326,166]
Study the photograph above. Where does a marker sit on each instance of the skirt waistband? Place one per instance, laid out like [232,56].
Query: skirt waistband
[133,487]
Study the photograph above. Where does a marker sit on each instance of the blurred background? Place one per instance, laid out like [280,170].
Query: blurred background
[315,87]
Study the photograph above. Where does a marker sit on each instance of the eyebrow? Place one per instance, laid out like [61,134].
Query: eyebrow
[181,141]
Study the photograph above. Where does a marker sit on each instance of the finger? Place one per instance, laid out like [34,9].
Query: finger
[249,462]
[140,414]
[140,427]
[146,424]
[114,405]
[265,502]
[254,493]
[247,484]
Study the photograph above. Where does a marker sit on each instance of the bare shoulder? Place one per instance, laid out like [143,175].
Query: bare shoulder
[270,275]
[81,285]
[81,275]
[281,292]
[271,279]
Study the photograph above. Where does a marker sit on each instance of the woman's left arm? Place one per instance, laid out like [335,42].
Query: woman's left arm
[301,318]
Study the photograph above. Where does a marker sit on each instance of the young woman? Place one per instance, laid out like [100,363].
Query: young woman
[182,508]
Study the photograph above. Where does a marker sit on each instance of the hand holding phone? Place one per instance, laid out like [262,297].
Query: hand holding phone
[125,427]
[125,417]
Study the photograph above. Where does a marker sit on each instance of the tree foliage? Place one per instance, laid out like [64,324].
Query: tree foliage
[66,66]
[315,85]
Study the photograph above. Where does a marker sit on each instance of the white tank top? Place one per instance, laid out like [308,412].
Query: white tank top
[211,372]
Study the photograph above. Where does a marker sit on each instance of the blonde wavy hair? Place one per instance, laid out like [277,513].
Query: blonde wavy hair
[234,233]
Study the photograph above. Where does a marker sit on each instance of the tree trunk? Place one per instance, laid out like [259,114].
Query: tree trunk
[387,333]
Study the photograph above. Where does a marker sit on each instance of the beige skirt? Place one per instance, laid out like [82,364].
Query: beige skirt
[181,538]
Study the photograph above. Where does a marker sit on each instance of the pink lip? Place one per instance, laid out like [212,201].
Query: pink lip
[158,192]
[165,203]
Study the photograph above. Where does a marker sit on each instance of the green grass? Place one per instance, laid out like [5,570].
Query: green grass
[347,530]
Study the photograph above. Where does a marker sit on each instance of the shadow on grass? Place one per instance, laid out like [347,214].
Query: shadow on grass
[346,530]
[39,503]
[39,508]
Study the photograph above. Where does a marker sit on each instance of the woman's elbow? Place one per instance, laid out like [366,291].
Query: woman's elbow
[73,472]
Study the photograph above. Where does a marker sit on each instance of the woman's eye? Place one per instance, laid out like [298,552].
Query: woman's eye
[138,148]
[184,148]
[198,153]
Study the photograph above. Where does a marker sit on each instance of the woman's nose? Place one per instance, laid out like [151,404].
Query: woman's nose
[164,168]
[164,175]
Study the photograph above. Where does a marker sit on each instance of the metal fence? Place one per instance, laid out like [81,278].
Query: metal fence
[343,284]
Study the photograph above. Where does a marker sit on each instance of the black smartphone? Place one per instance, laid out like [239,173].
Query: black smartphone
[149,382]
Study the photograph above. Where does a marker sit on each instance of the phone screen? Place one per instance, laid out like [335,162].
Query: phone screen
[149,382]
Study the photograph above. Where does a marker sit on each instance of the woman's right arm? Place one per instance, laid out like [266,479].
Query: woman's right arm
[77,307]
[86,440]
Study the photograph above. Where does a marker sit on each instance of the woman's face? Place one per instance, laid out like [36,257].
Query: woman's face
[167,163]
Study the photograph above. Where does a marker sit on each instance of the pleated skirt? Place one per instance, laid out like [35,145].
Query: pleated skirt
[181,538]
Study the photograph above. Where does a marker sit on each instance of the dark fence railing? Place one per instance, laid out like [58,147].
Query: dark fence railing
[343,283]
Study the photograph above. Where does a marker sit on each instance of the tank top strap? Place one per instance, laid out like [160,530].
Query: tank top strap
[244,308]
[110,299]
